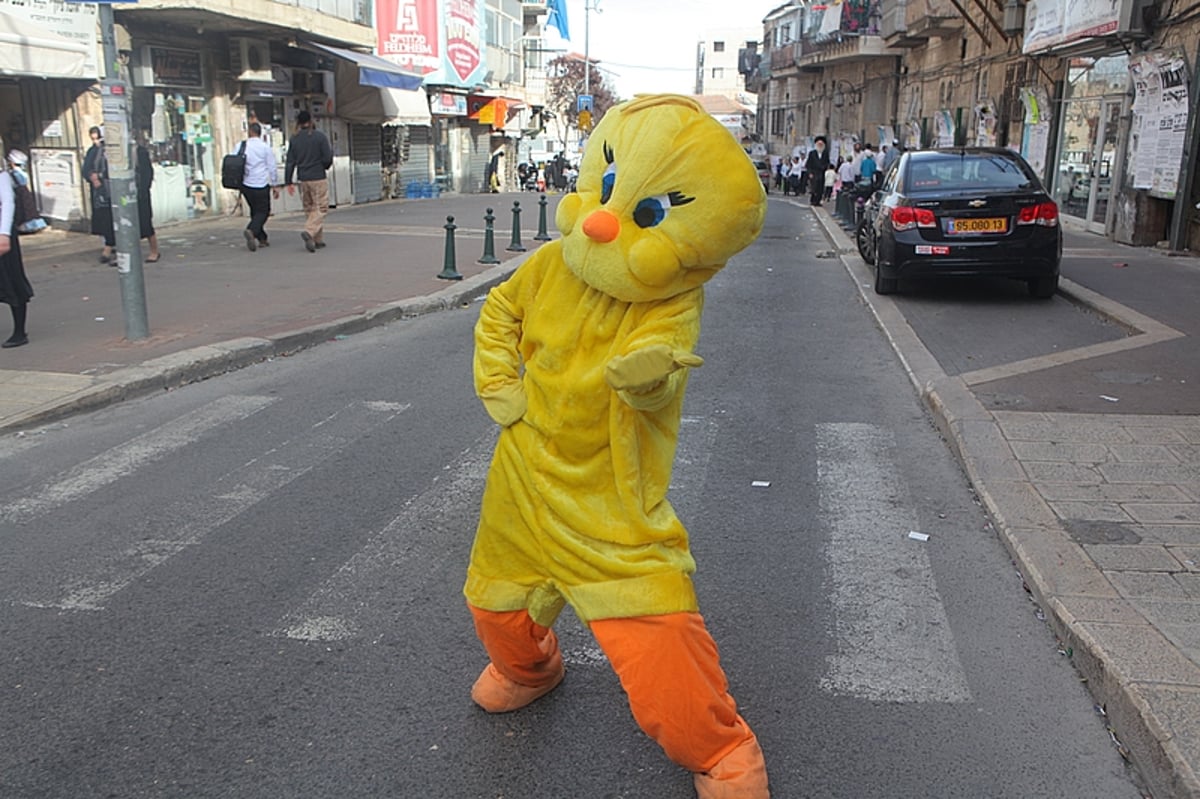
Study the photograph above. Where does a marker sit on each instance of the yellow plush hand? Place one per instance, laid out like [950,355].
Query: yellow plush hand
[505,403]
[645,369]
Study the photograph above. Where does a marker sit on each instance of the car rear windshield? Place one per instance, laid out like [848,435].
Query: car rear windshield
[976,172]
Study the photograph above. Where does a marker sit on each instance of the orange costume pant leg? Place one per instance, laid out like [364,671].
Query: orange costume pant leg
[526,663]
[669,667]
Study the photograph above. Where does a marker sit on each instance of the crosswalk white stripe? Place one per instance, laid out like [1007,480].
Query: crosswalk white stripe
[893,638]
[103,575]
[337,609]
[334,611]
[113,464]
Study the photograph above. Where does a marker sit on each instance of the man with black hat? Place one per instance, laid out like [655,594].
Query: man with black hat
[308,156]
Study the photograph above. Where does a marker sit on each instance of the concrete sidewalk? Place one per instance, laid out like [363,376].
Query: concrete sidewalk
[1099,506]
[214,306]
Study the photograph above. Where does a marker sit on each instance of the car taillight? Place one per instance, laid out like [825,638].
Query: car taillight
[1045,214]
[905,217]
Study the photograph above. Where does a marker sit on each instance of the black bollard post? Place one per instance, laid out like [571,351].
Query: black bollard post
[449,272]
[541,234]
[489,240]
[516,245]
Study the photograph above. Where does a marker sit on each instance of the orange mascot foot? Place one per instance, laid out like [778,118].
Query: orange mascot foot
[495,693]
[741,774]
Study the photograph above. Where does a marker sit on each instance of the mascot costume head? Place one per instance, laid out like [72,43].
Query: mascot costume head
[582,357]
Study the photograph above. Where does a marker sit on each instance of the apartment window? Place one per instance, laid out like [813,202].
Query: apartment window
[718,47]
[718,73]
[777,120]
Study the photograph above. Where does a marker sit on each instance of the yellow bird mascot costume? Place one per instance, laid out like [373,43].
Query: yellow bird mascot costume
[582,357]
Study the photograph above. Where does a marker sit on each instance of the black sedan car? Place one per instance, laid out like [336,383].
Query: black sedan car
[973,211]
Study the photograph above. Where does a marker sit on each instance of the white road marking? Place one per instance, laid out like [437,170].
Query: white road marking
[893,638]
[101,575]
[364,584]
[110,466]
[337,610]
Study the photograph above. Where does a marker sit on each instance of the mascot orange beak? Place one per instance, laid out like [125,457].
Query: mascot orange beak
[601,226]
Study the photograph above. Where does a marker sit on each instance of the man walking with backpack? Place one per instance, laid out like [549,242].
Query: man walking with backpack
[257,186]
[308,156]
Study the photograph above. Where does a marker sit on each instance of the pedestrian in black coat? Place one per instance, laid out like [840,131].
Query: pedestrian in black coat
[814,167]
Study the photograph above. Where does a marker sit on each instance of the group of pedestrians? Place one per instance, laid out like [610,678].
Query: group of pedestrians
[95,173]
[309,157]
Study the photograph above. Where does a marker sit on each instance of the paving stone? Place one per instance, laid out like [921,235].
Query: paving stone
[1163,512]
[1048,472]
[1142,453]
[1091,511]
[1177,709]
[1141,557]
[1190,583]
[1187,453]
[1188,556]
[1191,488]
[1172,534]
[1056,564]
[1017,504]
[1060,451]
[1091,608]
[1149,472]
[1092,430]
[1138,652]
[1155,435]
[1147,585]
[1179,613]
[1110,492]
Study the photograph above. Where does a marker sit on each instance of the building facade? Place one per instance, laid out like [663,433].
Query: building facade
[1099,97]
[433,109]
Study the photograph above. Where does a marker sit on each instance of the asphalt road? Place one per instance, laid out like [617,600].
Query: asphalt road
[250,587]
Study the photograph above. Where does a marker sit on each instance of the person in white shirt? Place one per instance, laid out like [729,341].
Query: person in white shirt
[258,183]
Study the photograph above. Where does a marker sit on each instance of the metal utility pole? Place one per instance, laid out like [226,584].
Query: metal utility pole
[120,151]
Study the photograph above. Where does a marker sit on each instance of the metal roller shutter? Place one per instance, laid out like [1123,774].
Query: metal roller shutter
[481,140]
[416,156]
[366,163]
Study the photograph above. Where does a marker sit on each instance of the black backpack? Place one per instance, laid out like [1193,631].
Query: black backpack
[24,204]
[233,168]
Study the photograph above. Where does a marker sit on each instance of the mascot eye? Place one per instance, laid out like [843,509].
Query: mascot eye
[653,210]
[607,182]
[609,179]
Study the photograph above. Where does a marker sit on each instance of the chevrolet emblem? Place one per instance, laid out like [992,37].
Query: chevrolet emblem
[977,203]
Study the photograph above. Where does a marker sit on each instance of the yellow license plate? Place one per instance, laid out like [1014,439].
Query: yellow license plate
[989,225]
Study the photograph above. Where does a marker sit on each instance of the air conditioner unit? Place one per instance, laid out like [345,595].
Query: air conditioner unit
[249,59]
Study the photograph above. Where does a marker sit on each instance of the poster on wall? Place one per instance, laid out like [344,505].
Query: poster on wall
[408,34]
[57,182]
[985,125]
[1049,23]
[944,127]
[1160,112]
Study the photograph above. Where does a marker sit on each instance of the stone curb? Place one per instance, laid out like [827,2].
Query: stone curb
[200,363]
[1050,563]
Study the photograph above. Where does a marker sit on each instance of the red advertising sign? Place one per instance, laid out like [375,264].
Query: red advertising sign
[463,37]
[408,33]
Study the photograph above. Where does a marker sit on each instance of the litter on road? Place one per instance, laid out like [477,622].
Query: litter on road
[1107,398]
[761,484]
[915,536]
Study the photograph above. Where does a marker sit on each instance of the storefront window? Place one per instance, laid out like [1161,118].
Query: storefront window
[179,136]
[1094,98]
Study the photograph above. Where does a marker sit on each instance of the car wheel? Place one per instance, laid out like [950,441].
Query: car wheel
[1043,287]
[863,238]
[885,285]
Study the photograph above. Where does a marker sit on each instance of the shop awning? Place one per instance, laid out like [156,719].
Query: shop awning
[27,49]
[373,70]
[371,106]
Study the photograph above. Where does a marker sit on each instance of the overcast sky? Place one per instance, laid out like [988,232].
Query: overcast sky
[650,45]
